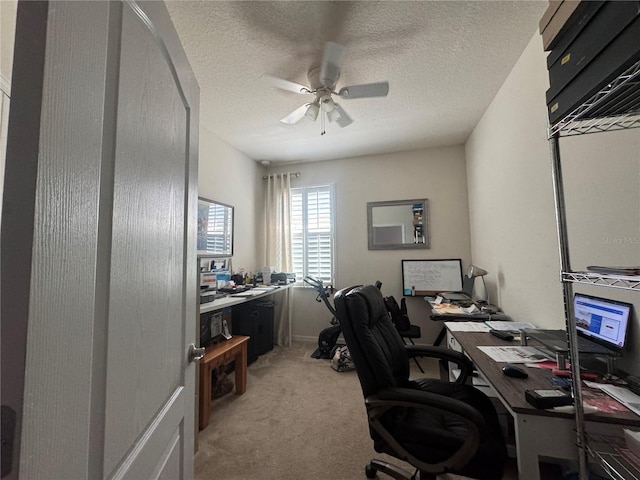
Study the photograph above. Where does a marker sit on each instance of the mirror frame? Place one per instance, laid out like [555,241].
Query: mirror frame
[202,201]
[395,203]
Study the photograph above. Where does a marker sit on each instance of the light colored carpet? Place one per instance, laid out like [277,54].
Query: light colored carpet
[298,419]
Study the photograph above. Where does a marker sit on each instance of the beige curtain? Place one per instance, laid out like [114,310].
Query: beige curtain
[278,243]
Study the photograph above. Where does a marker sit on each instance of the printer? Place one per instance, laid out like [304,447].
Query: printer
[208,287]
[283,278]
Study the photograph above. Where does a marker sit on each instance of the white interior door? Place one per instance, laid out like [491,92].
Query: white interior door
[99,216]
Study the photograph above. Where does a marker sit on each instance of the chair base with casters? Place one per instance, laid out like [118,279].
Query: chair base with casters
[435,426]
[375,466]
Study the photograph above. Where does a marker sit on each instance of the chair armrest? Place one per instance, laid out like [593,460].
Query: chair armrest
[446,354]
[420,399]
[377,406]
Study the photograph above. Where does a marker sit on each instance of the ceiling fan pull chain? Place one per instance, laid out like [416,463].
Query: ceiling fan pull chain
[323,114]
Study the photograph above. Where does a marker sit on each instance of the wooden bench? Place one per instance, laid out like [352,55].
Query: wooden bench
[216,356]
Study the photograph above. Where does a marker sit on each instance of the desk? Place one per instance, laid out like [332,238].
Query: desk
[216,356]
[459,316]
[237,299]
[204,376]
[538,432]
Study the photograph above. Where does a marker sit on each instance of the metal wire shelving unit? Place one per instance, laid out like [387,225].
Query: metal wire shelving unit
[614,107]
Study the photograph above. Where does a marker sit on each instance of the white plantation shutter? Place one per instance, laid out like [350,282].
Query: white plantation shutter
[312,232]
[218,232]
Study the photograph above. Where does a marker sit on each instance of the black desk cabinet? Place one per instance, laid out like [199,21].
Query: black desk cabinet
[255,319]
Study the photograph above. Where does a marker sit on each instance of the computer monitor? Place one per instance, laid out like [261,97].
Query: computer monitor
[467,285]
[603,320]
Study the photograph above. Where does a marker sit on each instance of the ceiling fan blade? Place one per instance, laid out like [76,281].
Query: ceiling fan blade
[343,120]
[296,115]
[331,61]
[380,89]
[285,84]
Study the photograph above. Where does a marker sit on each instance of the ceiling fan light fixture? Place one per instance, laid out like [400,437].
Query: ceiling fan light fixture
[312,111]
[333,115]
[326,102]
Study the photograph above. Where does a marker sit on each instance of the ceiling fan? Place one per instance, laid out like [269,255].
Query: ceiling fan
[323,80]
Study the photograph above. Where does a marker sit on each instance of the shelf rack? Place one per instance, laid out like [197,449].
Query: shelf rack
[605,450]
[613,281]
[614,107]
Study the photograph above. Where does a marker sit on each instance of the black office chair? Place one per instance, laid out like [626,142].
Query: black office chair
[434,425]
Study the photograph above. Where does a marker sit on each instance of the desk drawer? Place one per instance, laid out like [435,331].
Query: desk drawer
[452,343]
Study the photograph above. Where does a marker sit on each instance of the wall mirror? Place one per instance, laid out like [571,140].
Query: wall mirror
[398,224]
[215,229]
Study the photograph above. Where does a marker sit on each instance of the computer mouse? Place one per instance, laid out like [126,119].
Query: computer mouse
[513,371]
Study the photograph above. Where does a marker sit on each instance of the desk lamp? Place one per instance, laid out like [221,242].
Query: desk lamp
[479,272]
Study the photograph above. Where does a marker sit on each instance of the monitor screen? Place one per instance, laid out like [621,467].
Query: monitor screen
[600,319]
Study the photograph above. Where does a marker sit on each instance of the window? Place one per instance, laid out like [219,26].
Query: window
[219,228]
[312,232]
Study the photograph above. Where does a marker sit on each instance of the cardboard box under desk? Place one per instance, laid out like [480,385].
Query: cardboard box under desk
[595,35]
[614,59]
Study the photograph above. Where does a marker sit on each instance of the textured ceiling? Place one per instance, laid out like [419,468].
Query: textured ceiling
[444,60]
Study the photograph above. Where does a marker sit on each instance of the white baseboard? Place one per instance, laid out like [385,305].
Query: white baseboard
[304,338]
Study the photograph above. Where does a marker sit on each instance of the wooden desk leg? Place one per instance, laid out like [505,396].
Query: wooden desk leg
[241,370]
[205,395]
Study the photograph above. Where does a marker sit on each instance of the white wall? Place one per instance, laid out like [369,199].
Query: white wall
[436,174]
[228,176]
[8,9]
[513,227]
[511,196]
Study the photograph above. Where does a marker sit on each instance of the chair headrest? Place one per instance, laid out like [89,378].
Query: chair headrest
[373,299]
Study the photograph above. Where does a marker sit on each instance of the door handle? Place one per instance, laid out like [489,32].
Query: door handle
[195,354]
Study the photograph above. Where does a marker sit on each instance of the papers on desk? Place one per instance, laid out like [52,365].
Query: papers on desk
[621,394]
[443,308]
[255,291]
[508,326]
[511,354]
[466,327]
[247,293]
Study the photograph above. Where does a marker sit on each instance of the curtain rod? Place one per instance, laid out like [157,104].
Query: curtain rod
[290,174]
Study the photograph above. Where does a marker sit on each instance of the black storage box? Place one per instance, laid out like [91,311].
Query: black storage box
[567,38]
[255,319]
[547,398]
[611,19]
[563,16]
[619,55]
